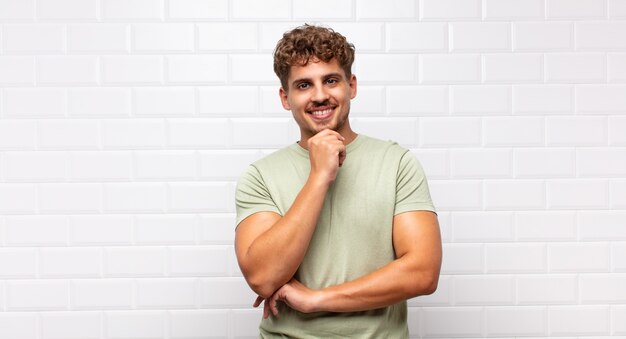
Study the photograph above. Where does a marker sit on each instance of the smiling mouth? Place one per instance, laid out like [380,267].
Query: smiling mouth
[320,113]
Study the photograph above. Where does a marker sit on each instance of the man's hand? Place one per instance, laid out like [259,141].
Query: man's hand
[327,153]
[294,294]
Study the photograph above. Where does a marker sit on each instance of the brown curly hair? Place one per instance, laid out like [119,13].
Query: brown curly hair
[311,43]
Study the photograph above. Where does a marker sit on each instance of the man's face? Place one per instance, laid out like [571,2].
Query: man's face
[319,95]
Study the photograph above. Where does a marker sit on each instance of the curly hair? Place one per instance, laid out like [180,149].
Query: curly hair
[311,43]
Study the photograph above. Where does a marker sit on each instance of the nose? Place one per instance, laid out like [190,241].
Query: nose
[320,94]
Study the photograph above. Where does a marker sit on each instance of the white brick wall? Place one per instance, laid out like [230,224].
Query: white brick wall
[124,125]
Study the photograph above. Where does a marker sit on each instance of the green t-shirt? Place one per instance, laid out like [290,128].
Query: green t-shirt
[353,237]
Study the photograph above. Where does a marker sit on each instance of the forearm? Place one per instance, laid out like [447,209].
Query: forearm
[273,258]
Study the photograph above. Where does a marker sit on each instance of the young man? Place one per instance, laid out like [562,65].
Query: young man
[334,232]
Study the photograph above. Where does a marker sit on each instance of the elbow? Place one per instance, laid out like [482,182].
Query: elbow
[261,287]
[425,284]
[430,285]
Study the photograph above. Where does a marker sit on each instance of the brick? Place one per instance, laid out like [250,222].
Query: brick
[164,101]
[197,68]
[35,102]
[133,134]
[468,322]
[100,230]
[544,163]
[271,32]
[28,38]
[601,162]
[252,69]
[547,289]
[417,37]
[587,9]
[18,198]
[480,36]
[229,101]
[515,258]
[482,227]
[132,9]
[545,226]
[36,230]
[166,293]
[35,166]
[513,68]
[616,66]
[461,132]
[577,194]
[617,193]
[441,297]
[225,293]
[17,70]
[618,257]
[387,68]
[617,9]
[11,10]
[200,261]
[600,35]
[543,99]
[513,131]
[578,258]
[514,194]
[225,165]
[71,325]
[19,325]
[435,162]
[105,102]
[228,37]
[602,225]
[70,262]
[198,133]
[134,261]
[450,9]
[370,101]
[40,295]
[516,321]
[132,69]
[513,9]
[600,99]
[579,320]
[68,70]
[576,131]
[457,194]
[366,36]
[165,165]
[67,9]
[166,229]
[575,68]
[395,9]
[247,321]
[400,130]
[417,100]
[135,324]
[140,197]
[617,314]
[17,134]
[543,36]
[175,37]
[69,134]
[270,104]
[198,9]
[446,69]
[250,9]
[101,166]
[76,197]
[200,197]
[616,126]
[471,163]
[480,290]
[98,38]
[462,259]
[18,263]
[217,229]
[480,100]
[201,324]
[260,132]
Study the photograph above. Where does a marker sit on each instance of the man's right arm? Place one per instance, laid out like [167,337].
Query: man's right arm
[269,247]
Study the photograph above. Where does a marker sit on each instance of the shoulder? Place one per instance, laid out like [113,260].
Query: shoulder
[388,148]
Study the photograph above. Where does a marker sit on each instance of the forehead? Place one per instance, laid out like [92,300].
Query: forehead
[315,68]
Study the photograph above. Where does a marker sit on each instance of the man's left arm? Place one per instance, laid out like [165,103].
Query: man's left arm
[414,272]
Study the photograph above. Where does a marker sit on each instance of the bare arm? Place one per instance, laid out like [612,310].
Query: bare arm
[269,247]
[415,271]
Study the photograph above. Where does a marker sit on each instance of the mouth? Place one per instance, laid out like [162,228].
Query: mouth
[321,112]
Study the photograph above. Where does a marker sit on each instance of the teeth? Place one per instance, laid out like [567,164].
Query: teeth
[318,113]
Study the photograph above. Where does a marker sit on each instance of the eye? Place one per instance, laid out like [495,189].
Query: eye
[302,85]
[331,81]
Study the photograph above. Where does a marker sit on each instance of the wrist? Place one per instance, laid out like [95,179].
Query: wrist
[321,301]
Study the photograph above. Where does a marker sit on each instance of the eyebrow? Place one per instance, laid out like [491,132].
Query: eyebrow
[325,76]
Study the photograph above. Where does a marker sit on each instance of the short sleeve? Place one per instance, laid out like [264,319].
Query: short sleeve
[252,195]
[412,193]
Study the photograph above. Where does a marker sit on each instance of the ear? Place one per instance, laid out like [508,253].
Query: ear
[352,84]
[283,98]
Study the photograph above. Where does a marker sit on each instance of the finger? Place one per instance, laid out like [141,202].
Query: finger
[342,157]
[274,305]
[266,309]
[258,301]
